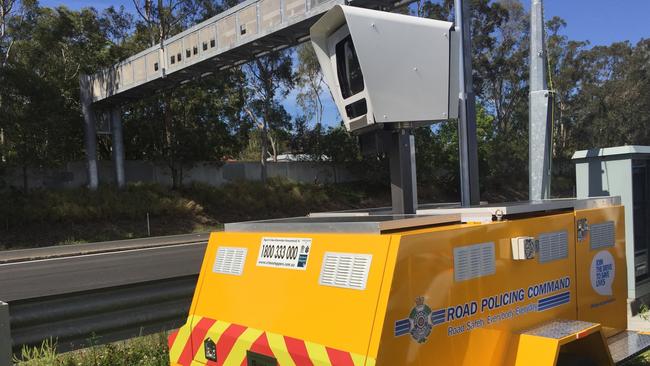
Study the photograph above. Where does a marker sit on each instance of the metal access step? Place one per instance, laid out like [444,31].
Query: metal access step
[626,345]
[575,338]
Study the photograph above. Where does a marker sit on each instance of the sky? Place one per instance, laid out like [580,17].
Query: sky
[601,22]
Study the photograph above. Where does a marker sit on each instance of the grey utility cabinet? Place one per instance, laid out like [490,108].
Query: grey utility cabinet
[623,171]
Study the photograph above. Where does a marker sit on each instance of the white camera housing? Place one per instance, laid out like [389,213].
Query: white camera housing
[388,68]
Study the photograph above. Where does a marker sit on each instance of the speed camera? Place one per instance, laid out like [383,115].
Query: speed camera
[385,68]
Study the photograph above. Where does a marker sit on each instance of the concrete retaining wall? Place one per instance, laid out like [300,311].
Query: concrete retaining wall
[74,174]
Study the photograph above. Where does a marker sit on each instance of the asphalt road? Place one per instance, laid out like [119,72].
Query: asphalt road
[57,251]
[53,276]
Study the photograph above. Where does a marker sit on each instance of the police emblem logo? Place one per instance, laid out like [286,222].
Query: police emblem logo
[419,319]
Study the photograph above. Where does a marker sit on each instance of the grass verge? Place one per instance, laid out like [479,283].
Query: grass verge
[142,351]
[53,217]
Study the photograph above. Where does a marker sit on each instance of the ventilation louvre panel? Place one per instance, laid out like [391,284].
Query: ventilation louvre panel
[602,235]
[553,246]
[230,261]
[473,261]
[345,270]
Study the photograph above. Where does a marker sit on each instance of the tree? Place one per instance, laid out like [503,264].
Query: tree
[269,77]
[7,8]
[612,105]
[309,80]
[201,125]
[566,71]
[165,17]
[181,134]
[39,92]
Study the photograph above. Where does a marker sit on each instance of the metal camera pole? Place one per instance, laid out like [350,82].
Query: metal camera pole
[541,102]
[403,182]
[467,142]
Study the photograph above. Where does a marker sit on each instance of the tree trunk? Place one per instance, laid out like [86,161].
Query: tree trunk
[264,152]
[168,149]
[274,148]
[2,143]
[175,176]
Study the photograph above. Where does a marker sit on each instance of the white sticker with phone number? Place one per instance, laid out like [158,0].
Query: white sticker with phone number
[288,253]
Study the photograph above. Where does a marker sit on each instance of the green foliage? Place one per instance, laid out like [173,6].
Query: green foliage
[277,198]
[601,97]
[641,360]
[45,51]
[269,77]
[187,125]
[142,351]
[83,205]
[48,217]
[45,354]
[644,312]
[309,80]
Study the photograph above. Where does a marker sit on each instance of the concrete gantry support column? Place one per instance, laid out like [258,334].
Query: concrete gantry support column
[90,137]
[118,146]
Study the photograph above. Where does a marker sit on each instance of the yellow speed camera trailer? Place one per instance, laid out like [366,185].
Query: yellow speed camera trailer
[524,284]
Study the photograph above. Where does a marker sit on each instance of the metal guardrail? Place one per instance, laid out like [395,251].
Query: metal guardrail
[88,318]
[89,294]
[5,335]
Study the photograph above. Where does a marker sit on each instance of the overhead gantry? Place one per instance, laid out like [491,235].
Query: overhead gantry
[249,30]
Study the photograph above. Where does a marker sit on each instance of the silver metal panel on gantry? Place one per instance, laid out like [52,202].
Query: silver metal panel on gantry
[246,31]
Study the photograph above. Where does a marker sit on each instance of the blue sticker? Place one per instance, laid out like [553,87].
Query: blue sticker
[302,260]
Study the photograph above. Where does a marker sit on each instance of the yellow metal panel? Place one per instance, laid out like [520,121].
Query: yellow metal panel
[276,342]
[607,309]
[533,350]
[244,342]
[216,329]
[425,267]
[409,270]
[181,340]
[318,354]
[358,360]
[291,302]
[537,351]
[384,297]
